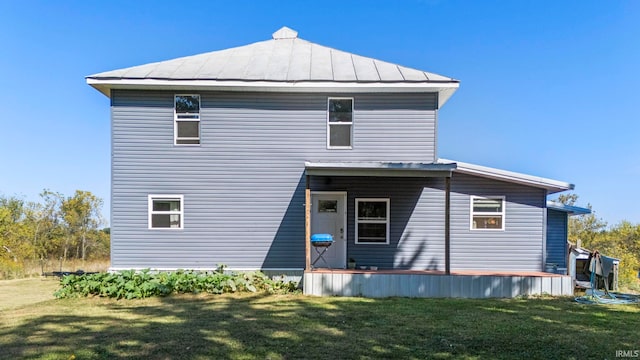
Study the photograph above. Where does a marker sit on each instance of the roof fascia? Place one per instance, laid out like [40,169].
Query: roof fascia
[378,169]
[552,186]
[444,88]
[571,210]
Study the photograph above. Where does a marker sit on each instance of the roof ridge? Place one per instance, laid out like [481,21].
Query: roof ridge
[284,33]
[293,40]
[310,59]
[333,74]
[400,71]
[375,66]
[355,73]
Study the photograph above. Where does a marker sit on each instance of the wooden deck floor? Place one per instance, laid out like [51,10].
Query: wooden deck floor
[434,272]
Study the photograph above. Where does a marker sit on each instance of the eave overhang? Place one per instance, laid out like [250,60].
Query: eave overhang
[571,210]
[552,186]
[379,169]
[444,88]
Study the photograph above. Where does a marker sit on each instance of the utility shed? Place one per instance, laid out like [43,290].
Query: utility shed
[582,263]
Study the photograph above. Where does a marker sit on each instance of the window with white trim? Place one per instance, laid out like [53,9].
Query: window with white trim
[487,213]
[187,119]
[166,212]
[340,123]
[372,221]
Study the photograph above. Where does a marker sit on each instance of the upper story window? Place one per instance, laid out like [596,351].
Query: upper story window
[187,120]
[166,212]
[340,123]
[372,221]
[487,213]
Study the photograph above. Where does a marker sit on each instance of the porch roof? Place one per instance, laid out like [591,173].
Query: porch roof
[552,186]
[379,168]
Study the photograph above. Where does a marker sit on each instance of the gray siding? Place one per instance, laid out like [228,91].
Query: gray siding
[557,237]
[416,222]
[243,187]
[518,247]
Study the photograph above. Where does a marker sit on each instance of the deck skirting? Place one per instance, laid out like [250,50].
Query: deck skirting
[376,285]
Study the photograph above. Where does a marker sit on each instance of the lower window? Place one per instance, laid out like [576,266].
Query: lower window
[187,132]
[487,213]
[166,211]
[372,221]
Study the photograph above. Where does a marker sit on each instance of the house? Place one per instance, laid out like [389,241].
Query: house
[237,156]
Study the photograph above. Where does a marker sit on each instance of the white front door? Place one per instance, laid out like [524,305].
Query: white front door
[328,216]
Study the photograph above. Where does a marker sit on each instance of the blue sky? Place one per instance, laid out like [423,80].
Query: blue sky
[548,88]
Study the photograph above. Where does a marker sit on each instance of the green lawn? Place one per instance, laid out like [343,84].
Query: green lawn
[257,326]
[20,292]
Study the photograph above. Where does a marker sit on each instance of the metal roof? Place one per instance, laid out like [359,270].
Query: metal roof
[378,168]
[552,186]
[283,60]
[571,210]
[442,167]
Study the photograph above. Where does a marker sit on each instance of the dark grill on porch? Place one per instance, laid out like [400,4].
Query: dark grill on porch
[321,243]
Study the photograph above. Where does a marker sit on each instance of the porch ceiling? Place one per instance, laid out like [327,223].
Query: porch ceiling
[381,169]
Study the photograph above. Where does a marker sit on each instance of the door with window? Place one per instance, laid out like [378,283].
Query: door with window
[328,216]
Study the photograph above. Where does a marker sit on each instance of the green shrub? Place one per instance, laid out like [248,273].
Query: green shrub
[132,284]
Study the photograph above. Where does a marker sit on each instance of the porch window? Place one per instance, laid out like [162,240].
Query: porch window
[487,213]
[166,211]
[372,221]
[340,123]
[327,206]
[187,119]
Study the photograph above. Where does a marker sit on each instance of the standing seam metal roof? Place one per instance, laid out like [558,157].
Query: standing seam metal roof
[285,58]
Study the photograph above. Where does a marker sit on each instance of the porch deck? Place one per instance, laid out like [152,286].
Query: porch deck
[429,283]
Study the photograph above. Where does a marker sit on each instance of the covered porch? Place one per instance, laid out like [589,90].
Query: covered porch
[406,273]
[382,241]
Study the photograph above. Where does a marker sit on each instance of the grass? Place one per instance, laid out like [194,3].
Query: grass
[23,292]
[257,326]
[35,268]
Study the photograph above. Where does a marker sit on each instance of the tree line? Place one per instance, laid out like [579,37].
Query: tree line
[57,227]
[620,241]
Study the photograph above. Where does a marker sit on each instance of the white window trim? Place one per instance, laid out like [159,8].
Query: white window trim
[150,211]
[387,221]
[503,213]
[340,124]
[176,120]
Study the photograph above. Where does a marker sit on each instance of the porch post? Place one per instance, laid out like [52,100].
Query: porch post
[307,223]
[447,226]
